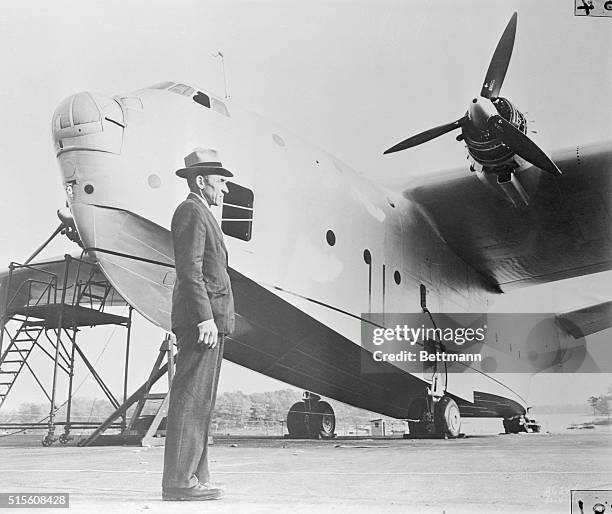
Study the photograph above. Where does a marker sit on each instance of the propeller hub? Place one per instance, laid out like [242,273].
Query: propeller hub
[480,110]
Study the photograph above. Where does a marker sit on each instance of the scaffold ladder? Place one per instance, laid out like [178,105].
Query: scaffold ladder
[16,355]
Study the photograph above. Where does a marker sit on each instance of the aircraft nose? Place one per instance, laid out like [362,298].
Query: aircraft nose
[88,130]
[88,121]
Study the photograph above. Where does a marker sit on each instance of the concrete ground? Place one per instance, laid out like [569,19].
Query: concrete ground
[498,473]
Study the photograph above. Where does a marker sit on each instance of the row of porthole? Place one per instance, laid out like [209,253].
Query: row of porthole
[330,236]
[367,256]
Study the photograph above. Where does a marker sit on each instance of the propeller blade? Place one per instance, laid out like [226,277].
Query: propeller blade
[423,137]
[499,62]
[522,145]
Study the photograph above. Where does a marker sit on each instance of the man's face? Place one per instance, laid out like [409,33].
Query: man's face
[213,188]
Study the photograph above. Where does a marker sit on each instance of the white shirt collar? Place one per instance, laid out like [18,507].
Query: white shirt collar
[205,202]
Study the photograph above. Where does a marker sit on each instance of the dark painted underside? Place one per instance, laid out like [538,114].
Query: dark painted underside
[280,341]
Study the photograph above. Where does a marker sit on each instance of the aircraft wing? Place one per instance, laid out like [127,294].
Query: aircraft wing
[564,232]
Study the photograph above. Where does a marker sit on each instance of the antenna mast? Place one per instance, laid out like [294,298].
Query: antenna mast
[222,57]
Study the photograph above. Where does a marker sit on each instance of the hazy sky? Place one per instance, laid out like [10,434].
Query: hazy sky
[353,77]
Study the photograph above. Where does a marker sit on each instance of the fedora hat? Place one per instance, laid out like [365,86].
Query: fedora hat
[203,161]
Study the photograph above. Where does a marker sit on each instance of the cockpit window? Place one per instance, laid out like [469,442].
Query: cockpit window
[182,89]
[220,107]
[161,85]
[201,99]
[209,101]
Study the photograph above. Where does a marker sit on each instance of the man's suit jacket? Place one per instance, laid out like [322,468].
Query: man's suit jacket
[202,289]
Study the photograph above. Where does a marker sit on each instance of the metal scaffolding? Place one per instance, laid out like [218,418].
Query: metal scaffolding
[46,304]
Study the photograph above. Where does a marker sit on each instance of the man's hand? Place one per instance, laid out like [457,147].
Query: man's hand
[208,333]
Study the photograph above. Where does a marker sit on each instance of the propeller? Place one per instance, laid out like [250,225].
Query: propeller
[520,144]
[423,137]
[483,115]
[499,62]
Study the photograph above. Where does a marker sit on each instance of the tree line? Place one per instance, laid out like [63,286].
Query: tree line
[232,409]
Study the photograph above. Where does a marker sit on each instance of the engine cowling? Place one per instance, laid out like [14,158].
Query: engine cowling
[485,147]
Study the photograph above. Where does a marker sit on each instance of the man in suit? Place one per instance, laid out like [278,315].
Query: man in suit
[202,315]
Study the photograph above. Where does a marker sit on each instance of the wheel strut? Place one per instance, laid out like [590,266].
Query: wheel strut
[436,415]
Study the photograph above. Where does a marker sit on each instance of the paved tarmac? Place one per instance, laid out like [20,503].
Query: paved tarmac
[497,473]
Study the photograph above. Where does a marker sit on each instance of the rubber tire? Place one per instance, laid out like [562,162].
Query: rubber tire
[507,428]
[447,417]
[324,421]
[512,426]
[296,421]
[536,428]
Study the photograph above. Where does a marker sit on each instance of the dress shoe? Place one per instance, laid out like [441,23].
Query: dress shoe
[198,492]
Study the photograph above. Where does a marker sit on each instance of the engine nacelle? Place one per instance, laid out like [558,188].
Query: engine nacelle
[486,148]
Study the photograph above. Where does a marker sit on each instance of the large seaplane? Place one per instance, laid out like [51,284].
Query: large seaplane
[315,248]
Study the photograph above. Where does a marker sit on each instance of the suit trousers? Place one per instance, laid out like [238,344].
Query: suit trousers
[192,400]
